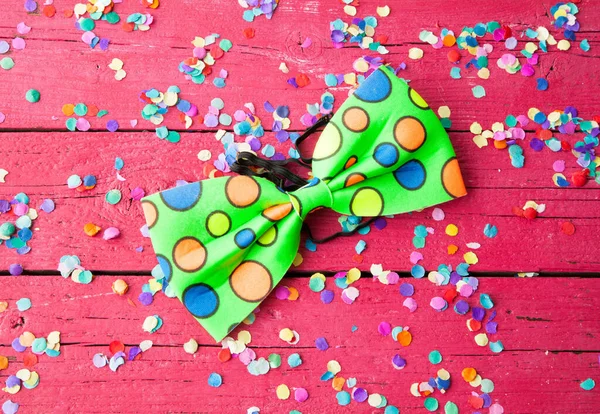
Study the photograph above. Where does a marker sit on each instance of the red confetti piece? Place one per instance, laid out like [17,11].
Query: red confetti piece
[116,346]
[579,178]
[30,360]
[249,33]
[529,213]
[567,228]
[302,80]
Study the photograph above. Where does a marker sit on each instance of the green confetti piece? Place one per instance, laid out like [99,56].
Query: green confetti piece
[450,408]
[316,285]
[588,384]
[455,72]
[32,95]
[87,25]
[478,91]
[7,63]
[71,124]
[435,357]
[274,360]
[113,196]
[431,404]
[584,45]
[225,44]
[80,109]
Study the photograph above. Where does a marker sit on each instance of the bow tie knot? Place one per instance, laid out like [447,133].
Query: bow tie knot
[316,194]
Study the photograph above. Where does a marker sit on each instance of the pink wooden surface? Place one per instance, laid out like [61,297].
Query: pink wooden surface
[547,324]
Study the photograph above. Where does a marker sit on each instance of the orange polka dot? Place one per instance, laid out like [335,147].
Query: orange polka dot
[242,191]
[150,213]
[68,109]
[353,179]
[410,133]
[355,119]
[189,254]
[351,161]
[251,281]
[452,179]
[277,212]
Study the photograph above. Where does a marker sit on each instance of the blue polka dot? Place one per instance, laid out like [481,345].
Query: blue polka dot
[375,88]
[411,175]
[244,238]
[182,198]
[200,300]
[165,266]
[386,154]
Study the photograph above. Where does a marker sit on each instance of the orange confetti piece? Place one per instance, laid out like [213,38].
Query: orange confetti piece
[469,374]
[500,144]
[338,383]
[452,248]
[68,109]
[405,338]
[293,293]
[3,362]
[449,40]
[91,229]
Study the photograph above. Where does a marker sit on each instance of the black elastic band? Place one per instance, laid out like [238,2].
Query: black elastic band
[311,130]
[247,163]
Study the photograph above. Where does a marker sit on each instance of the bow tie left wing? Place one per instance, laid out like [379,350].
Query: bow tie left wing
[223,245]
[386,152]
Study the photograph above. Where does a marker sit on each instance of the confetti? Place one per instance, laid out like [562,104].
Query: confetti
[478,91]
[23,304]
[215,380]
[588,384]
[32,96]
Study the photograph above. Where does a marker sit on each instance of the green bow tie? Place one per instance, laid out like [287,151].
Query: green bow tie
[225,243]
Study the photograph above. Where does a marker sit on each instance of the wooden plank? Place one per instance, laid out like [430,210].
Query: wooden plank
[546,324]
[494,188]
[151,60]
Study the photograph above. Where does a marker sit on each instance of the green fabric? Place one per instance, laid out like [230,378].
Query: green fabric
[225,243]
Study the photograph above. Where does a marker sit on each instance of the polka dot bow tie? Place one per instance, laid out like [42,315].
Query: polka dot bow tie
[223,244]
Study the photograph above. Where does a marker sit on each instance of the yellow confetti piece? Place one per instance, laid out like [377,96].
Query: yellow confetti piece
[497,127]
[451,230]
[283,392]
[319,276]
[34,378]
[283,67]
[334,367]
[120,74]
[350,10]
[532,112]
[116,64]
[483,73]
[475,128]
[3,306]
[353,275]
[415,53]
[286,334]
[563,45]
[23,374]
[298,260]
[383,11]
[190,346]
[476,382]
[244,337]
[204,155]
[3,174]
[375,400]
[481,339]
[470,258]
[26,339]
[444,111]
[480,141]
[350,79]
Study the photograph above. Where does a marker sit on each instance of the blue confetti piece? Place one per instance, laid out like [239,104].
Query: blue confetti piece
[119,164]
[490,231]
[294,360]
[23,304]
[496,347]
[486,301]
[310,245]
[584,45]
[542,84]
[478,91]
[215,380]
[417,271]
[360,246]
[455,72]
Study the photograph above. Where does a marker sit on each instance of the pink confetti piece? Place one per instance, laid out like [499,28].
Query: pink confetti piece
[22,28]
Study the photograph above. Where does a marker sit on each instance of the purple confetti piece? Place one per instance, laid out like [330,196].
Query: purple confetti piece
[321,344]
[146,298]
[327,296]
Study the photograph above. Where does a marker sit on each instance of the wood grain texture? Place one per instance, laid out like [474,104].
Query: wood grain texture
[548,333]
[548,325]
[494,188]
